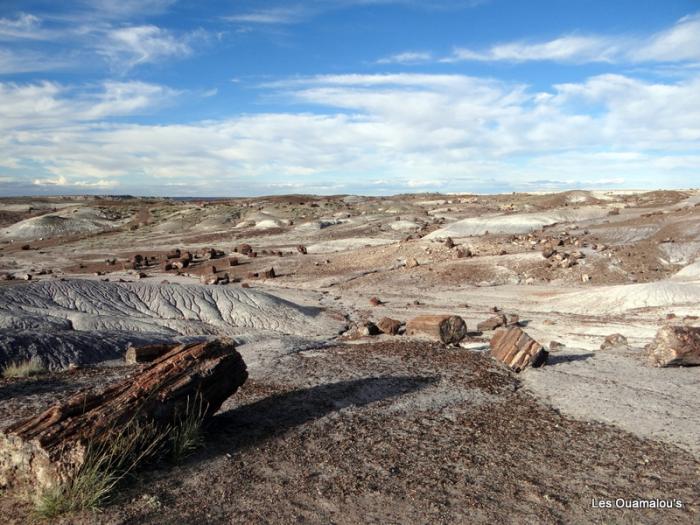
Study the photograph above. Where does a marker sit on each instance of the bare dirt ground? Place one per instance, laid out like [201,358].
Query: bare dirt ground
[389,429]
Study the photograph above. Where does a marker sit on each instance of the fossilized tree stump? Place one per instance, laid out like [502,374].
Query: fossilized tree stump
[449,329]
[44,450]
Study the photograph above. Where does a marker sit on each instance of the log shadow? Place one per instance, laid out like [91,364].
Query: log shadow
[558,359]
[31,386]
[248,425]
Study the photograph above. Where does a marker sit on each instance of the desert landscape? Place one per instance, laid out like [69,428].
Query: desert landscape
[415,358]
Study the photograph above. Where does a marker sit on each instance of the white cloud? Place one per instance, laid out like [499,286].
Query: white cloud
[680,42]
[407,57]
[462,133]
[58,181]
[275,15]
[24,26]
[48,104]
[131,46]
[570,48]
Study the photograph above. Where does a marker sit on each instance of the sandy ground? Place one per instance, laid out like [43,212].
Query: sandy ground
[393,429]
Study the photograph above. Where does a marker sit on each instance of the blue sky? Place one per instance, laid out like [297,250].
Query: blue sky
[223,98]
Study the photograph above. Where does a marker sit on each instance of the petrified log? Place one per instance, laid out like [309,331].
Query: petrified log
[675,345]
[45,450]
[145,354]
[516,349]
[449,329]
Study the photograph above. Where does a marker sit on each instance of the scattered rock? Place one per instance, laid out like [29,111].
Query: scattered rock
[269,274]
[556,346]
[449,243]
[675,345]
[491,323]
[233,261]
[411,262]
[301,249]
[362,329]
[614,341]
[389,326]
[516,349]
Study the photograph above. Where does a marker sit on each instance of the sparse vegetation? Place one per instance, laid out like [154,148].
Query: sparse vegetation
[108,462]
[28,368]
[187,433]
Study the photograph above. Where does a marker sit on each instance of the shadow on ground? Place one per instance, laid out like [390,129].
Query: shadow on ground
[558,359]
[31,387]
[248,425]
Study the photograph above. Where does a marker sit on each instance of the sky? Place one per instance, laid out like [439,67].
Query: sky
[239,98]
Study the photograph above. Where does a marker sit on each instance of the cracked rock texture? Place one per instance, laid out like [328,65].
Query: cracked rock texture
[84,321]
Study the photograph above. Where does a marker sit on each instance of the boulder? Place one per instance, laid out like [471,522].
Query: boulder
[374,301]
[389,326]
[675,345]
[411,262]
[448,329]
[301,249]
[516,349]
[268,274]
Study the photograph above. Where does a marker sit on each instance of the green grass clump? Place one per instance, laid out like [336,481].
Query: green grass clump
[106,463]
[187,434]
[110,460]
[27,368]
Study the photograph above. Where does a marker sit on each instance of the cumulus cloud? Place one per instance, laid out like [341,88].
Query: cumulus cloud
[462,133]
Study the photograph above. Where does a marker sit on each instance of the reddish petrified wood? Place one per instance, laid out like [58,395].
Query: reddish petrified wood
[44,450]
[516,349]
[449,329]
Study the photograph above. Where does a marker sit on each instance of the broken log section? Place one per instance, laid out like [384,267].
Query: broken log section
[448,329]
[146,354]
[45,450]
[516,349]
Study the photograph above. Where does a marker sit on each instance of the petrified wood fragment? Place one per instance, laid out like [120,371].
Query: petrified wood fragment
[516,349]
[675,345]
[449,329]
[45,450]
